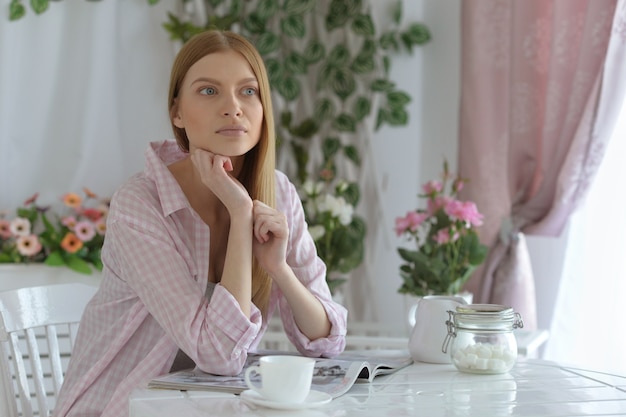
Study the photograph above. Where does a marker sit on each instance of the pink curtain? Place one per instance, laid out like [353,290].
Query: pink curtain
[531,77]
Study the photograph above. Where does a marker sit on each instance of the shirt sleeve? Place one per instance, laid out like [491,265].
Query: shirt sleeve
[153,255]
[311,271]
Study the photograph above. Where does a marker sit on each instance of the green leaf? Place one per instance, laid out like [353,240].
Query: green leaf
[381,118]
[396,14]
[16,10]
[335,20]
[363,64]
[352,154]
[382,85]
[368,48]
[362,24]
[268,42]
[254,23]
[345,123]
[55,259]
[417,34]
[306,129]
[398,98]
[397,117]
[77,264]
[324,109]
[330,147]
[39,6]
[302,159]
[362,108]
[339,56]
[388,42]
[298,6]
[352,195]
[325,75]
[295,63]
[267,8]
[152,2]
[289,88]
[343,83]
[285,118]
[314,51]
[293,26]
[274,69]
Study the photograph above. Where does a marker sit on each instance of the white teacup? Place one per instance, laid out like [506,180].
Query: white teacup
[285,379]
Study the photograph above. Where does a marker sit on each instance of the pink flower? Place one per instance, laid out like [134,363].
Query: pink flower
[69,221]
[101,226]
[442,236]
[465,211]
[410,222]
[20,226]
[5,231]
[92,214]
[432,187]
[437,203]
[85,230]
[28,245]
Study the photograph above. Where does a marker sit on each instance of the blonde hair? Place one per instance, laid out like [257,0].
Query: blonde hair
[257,174]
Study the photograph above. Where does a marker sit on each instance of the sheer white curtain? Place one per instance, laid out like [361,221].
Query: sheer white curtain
[82,91]
[587,327]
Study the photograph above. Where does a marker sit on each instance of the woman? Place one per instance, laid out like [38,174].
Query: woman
[196,257]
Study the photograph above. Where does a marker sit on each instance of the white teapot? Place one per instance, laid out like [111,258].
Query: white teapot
[430,330]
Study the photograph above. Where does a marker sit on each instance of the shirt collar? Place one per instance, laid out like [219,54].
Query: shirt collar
[159,155]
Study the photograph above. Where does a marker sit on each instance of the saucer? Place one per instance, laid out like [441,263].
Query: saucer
[314,399]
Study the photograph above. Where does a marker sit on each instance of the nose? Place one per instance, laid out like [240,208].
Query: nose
[232,107]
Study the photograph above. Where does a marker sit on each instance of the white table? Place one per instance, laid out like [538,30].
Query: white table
[533,388]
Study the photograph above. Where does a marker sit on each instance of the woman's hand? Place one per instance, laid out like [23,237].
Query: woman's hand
[271,234]
[214,172]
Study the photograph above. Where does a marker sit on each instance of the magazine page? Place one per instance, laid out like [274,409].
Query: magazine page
[332,376]
[381,362]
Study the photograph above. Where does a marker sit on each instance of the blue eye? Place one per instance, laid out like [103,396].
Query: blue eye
[249,91]
[209,91]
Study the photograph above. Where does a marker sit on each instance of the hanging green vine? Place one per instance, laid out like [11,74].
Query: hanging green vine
[328,50]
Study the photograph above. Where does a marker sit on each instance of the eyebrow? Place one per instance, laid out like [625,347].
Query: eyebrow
[214,81]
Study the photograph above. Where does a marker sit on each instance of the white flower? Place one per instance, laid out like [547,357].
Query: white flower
[312,188]
[338,207]
[317,231]
[20,226]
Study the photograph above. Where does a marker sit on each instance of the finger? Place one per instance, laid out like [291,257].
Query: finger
[223,162]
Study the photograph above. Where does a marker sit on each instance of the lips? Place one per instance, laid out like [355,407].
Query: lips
[234,130]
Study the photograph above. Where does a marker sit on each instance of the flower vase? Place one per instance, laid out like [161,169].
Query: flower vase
[411,301]
[13,276]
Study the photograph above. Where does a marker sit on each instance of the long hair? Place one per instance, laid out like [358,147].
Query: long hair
[257,174]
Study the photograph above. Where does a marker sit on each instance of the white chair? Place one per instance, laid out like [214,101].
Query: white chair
[37,332]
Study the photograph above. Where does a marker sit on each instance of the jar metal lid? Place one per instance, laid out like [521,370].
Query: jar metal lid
[494,318]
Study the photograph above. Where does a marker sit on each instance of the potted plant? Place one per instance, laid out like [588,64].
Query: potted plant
[447,248]
[338,233]
[71,238]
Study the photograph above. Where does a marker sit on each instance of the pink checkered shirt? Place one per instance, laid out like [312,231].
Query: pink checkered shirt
[152,297]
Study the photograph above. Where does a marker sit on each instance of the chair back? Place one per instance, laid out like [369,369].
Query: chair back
[37,331]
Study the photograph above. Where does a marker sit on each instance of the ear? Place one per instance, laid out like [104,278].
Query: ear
[177,120]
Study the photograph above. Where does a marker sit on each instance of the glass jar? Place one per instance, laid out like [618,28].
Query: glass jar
[481,338]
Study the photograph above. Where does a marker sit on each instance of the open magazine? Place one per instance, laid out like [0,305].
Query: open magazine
[332,376]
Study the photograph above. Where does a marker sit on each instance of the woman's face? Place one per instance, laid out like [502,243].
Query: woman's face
[219,105]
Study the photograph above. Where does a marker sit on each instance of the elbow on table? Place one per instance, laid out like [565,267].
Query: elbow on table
[223,366]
